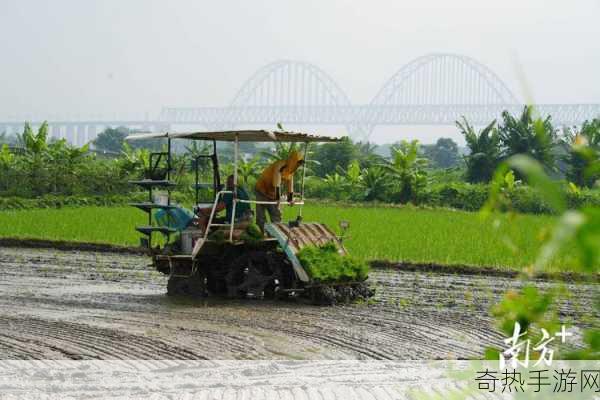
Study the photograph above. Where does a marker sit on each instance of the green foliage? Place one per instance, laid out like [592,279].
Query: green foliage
[377,231]
[443,154]
[7,158]
[527,307]
[408,170]
[325,264]
[550,191]
[367,154]
[111,139]
[42,167]
[52,201]
[591,349]
[281,151]
[252,234]
[581,226]
[254,231]
[526,135]
[368,184]
[248,169]
[337,185]
[111,225]
[218,236]
[133,161]
[462,196]
[373,183]
[583,154]
[531,309]
[484,151]
[194,149]
[35,143]
[579,230]
[333,156]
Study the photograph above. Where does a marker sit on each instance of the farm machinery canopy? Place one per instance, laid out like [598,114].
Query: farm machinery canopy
[240,136]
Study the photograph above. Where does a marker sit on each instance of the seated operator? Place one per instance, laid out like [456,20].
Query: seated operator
[243,213]
[268,187]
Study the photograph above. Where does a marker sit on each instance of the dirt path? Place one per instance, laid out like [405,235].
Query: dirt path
[85,305]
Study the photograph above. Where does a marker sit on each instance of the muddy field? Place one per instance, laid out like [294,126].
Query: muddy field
[86,305]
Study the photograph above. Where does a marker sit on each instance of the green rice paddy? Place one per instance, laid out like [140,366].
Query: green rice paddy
[395,234]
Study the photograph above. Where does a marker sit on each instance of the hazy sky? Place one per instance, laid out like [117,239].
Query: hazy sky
[86,57]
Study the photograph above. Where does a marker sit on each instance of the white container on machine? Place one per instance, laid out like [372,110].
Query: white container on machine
[189,236]
[161,198]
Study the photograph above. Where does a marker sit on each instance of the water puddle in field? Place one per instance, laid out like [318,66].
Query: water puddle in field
[69,304]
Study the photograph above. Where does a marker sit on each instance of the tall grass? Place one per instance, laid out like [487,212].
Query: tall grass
[406,234]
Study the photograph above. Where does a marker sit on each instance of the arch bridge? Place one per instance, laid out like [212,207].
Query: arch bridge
[435,89]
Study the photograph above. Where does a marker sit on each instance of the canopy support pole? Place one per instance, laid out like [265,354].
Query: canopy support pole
[303,177]
[236,153]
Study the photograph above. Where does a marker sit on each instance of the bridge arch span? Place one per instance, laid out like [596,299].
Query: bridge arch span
[288,83]
[444,79]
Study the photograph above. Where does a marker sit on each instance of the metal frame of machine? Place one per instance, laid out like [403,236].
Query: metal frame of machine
[291,237]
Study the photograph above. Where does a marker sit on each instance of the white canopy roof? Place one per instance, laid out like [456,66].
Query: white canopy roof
[243,136]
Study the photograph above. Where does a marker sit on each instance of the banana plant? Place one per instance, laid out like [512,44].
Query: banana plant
[7,158]
[134,160]
[336,184]
[248,168]
[67,162]
[408,170]
[374,183]
[484,149]
[353,174]
[35,143]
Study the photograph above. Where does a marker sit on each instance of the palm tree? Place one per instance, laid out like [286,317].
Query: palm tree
[194,150]
[367,154]
[484,151]
[408,168]
[535,137]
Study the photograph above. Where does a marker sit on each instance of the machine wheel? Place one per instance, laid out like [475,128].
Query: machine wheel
[194,286]
[176,286]
[255,274]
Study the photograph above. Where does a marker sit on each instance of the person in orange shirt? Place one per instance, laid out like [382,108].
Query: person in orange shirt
[268,187]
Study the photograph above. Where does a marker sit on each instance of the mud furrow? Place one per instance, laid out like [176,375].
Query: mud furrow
[68,304]
[95,341]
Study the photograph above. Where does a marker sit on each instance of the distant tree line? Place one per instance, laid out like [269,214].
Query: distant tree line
[32,164]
